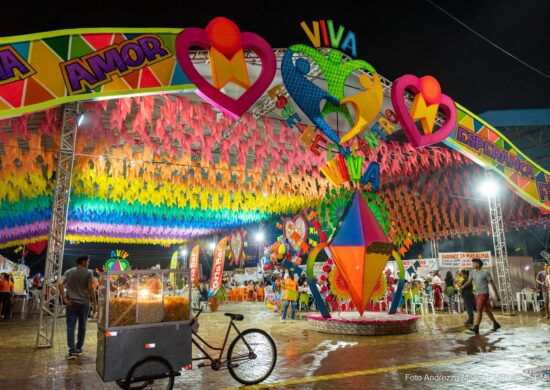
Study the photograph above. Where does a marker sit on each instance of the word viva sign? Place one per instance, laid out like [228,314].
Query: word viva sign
[330,37]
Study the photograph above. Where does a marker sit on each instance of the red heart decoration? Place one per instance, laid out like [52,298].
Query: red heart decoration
[297,225]
[236,108]
[236,245]
[409,127]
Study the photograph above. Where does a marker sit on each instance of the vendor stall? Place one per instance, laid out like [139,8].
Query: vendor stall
[143,326]
[19,272]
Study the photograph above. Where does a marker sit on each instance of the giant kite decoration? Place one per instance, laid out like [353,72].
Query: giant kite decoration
[361,250]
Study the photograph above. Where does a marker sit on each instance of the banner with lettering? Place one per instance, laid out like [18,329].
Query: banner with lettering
[419,264]
[217,267]
[38,71]
[251,271]
[173,265]
[463,259]
[486,146]
[194,265]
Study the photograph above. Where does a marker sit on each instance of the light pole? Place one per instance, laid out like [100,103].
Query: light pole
[260,237]
[183,254]
[491,188]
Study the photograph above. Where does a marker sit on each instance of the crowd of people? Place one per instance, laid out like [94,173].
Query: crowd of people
[444,291]
[472,286]
[288,290]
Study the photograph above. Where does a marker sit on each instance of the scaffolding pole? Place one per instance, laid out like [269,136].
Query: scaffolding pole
[435,251]
[501,254]
[49,299]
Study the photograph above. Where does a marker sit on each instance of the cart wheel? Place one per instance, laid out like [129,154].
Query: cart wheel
[121,383]
[251,356]
[152,372]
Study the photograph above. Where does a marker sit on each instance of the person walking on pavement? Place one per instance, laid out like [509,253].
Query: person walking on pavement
[481,279]
[77,291]
[290,296]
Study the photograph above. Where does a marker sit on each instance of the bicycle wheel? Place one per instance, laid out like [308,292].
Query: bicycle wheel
[251,356]
[153,373]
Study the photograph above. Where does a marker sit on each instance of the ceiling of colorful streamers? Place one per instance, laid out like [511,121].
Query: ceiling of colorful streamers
[164,169]
[153,169]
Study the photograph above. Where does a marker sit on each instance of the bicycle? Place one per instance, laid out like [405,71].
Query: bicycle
[251,356]
[250,359]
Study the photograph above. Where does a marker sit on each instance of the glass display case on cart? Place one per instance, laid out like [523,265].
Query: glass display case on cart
[144,326]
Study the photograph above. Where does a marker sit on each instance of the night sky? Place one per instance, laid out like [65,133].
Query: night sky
[395,37]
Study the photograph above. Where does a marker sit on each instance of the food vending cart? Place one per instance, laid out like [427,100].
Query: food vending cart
[144,331]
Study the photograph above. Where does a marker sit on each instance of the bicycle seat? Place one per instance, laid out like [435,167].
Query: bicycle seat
[235,317]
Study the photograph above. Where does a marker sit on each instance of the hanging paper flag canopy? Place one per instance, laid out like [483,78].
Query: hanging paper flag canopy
[162,170]
[118,261]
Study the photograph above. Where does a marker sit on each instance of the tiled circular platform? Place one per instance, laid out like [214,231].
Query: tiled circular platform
[369,324]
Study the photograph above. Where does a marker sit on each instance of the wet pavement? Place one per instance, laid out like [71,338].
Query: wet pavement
[441,354]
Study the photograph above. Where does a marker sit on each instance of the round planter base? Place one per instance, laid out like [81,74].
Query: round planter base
[369,324]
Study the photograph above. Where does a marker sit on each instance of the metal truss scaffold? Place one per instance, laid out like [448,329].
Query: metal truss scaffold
[501,254]
[49,300]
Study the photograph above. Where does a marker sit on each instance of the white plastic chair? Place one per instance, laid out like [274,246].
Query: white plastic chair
[417,301]
[429,301]
[195,298]
[301,303]
[458,302]
[34,306]
[267,290]
[530,298]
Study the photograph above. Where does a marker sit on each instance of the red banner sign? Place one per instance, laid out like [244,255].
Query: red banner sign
[217,268]
[194,266]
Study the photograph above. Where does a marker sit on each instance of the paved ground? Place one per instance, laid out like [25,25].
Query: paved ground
[440,355]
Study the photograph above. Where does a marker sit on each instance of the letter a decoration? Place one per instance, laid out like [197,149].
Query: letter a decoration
[226,45]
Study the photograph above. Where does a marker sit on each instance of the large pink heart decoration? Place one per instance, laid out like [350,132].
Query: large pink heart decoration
[295,231]
[224,38]
[428,91]
[236,244]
